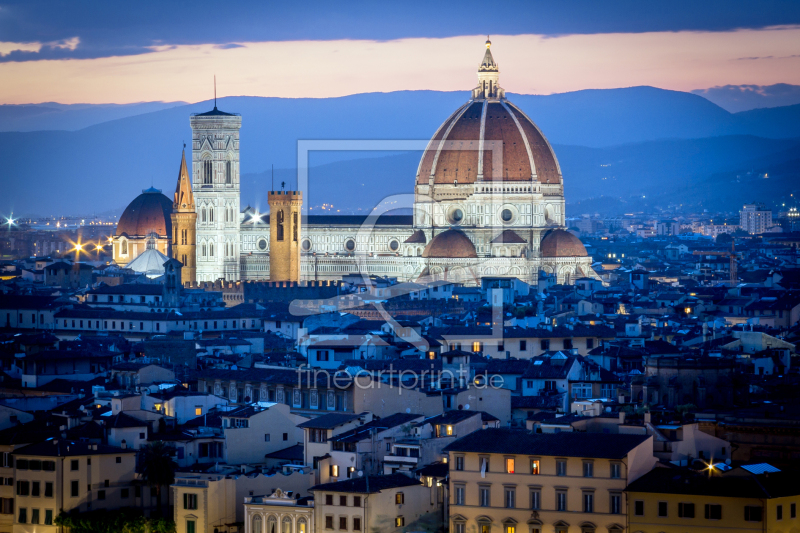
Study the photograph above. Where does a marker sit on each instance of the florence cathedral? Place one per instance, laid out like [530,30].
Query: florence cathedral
[488,201]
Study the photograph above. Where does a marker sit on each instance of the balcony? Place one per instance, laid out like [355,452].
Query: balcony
[400,459]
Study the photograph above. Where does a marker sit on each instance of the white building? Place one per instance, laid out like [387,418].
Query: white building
[489,201]
[755,218]
[215,182]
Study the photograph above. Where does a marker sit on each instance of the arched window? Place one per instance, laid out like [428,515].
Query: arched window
[228,173]
[204,250]
[294,227]
[257,524]
[302,527]
[272,525]
[279,228]
[202,214]
[124,247]
[211,214]
[287,525]
[211,249]
[208,172]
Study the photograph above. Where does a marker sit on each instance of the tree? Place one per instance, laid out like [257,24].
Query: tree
[125,520]
[158,467]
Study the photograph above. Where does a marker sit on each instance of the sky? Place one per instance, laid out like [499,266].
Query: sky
[123,52]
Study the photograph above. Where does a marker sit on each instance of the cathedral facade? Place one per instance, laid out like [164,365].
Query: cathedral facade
[488,201]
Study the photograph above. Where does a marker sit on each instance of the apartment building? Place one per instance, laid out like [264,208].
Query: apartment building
[512,481]
[753,498]
[391,503]
[209,502]
[59,474]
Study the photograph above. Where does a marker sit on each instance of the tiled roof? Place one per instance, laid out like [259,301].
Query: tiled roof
[66,448]
[328,421]
[509,441]
[292,453]
[122,420]
[554,401]
[368,484]
[548,370]
[451,417]
[364,432]
[687,482]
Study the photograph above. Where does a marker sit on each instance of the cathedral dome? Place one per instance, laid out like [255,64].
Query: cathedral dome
[147,213]
[450,244]
[453,154]
[561,243]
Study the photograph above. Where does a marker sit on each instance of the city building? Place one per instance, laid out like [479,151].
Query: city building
[755,219]
[512,481]
[752,498]
[278,512]
[394,502]
[59,474]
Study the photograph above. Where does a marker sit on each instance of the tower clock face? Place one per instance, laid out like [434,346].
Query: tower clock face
[184,205]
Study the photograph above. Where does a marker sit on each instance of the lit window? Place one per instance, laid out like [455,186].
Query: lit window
[449,430]
[198,411]
[399,521]
[534,467]
[510,465]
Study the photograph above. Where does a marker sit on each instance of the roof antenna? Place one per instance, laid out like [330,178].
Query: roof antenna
[215,91]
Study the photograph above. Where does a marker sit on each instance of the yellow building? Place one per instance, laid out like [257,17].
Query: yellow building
[390,503]
[184,225]
[672,500]
[61,475]
[513,481]
[284,235]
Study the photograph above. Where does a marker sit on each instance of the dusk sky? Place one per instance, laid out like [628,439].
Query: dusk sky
[109,52]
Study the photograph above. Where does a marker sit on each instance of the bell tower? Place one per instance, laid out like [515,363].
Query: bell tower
[215,180]
[284,235]
[184,224]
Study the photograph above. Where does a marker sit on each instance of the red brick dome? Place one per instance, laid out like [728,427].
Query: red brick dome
[147,213]
[450,244]
[453,155]
[561,243]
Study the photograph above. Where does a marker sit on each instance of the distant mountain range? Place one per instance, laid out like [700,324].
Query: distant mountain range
[621,143]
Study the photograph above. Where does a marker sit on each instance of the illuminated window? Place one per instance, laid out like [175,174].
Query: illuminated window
[535,467]
[476,346]
[509,465]
[449,430]
[399,521]
[198,411]
[399,498]
[334,470]
[158,407]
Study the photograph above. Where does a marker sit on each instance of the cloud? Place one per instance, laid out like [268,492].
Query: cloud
[23,51]
[534,64]
[127,28]
[228,46]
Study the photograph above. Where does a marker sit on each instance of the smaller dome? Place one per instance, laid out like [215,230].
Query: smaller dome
[150,263]
[561,243]
[147,213]
[451,243]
